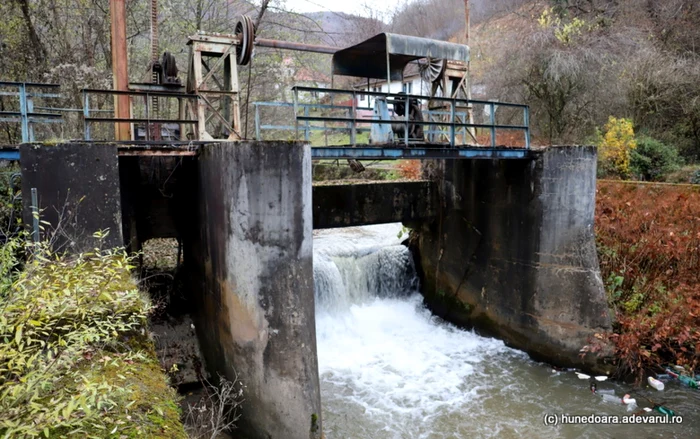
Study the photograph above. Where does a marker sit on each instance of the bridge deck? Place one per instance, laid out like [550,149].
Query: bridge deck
[369,152]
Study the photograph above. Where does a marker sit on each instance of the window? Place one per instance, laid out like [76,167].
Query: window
[376,89]
[407,87]
[362,98]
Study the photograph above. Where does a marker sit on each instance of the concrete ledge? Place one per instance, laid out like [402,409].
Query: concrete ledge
[355,204]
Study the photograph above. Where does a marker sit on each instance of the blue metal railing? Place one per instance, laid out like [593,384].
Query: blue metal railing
[449,127]
[27,115]
[306,128]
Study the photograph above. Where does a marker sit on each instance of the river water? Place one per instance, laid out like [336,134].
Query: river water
[389,369]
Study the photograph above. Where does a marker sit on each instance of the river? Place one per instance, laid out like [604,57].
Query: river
[391,370]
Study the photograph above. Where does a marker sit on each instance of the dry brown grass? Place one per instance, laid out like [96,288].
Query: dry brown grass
[649,248]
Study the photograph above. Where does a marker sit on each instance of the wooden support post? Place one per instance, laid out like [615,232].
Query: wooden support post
[232,85]
[201,116]
[120,68]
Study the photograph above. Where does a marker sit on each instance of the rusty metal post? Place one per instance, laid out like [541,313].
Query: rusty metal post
[120,68]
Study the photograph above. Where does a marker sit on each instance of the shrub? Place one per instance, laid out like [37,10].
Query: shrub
[684,175]
[652,160]
[616,145]
[74,358]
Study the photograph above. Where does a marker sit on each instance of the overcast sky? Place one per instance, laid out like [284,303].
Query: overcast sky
[348,6]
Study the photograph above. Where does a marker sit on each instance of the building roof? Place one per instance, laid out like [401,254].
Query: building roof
[387,54]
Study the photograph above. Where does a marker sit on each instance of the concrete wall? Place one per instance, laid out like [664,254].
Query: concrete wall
[78,193]
[353,204]
[251,248]
[512,253]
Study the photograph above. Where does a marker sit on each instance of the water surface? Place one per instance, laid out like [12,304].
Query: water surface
[389,369]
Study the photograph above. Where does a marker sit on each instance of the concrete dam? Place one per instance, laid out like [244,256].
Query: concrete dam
[505,246]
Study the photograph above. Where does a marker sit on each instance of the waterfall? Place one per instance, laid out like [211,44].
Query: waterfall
[341,280]
[390,369]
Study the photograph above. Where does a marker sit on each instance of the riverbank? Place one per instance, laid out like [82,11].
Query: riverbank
[648,239]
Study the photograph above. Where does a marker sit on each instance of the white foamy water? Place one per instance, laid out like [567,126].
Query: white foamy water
[389,369]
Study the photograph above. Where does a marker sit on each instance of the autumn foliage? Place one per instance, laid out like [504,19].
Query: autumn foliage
[649,249]
[410,169]
[615,146]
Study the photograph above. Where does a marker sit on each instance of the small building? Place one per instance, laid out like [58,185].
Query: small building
[412,84]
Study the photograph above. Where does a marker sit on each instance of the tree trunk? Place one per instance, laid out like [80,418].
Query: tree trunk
[37,47]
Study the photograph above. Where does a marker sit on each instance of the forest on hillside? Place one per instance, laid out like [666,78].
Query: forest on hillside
[577,63]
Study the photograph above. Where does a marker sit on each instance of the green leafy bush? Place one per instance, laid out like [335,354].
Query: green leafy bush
[74,357]
[652,160]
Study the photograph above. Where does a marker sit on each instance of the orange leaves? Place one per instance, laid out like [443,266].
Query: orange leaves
[649,236]
[410,169]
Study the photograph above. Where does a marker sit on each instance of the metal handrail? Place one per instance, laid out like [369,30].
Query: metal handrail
[306,128]
[26,115]
[453,125]
[87,118]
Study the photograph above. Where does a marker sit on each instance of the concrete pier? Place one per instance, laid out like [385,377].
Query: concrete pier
[250,248]
[512,253]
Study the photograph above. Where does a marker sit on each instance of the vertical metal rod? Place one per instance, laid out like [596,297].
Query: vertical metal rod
[86,114]
[388,73]
[296,121]
[369,102]
[181,114]
[526,117]
[452,128]
[23,111]
[307,127]
[257,121]
[30,109]
[353,132]
[493,125]
[406,110]
[35,215]
[148,121]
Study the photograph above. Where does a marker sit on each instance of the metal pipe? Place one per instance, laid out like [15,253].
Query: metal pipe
[277,44]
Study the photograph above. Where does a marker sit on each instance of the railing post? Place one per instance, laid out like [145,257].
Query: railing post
[257,121]
[526,117]
[353,132]
[30,109]
[296,121]
[23,111]
[493,125]
[406,111]
[148,119]
[452,128]
[86,114]
[307,126]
